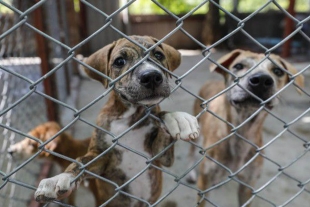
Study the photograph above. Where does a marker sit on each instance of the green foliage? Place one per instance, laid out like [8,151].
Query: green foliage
[247,6]
[176,7]
[302,6]
[185,6]
[4,9]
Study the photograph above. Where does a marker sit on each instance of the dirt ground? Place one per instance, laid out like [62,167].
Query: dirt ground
[276,188]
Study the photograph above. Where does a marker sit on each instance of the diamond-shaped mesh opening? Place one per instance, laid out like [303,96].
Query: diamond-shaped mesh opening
[283,179]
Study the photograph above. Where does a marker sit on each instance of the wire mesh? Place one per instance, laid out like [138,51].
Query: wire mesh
[16,68]
[20,117]
[14,117]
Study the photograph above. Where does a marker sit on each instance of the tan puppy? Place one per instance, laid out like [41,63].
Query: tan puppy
[63,144]
[121,158]
[235,106]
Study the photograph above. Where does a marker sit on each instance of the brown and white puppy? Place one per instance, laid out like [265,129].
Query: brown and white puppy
[124,157]
[62,144]
[235,106]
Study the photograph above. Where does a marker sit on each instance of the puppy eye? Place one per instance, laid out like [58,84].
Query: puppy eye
[119,62]
[278,72]
[159,55]
[239,66]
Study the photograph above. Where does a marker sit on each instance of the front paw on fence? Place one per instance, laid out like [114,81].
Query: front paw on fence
[181,125]
[57,187]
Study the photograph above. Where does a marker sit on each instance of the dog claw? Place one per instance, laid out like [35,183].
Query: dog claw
[57,187]
[181,125]
[47,200]
[192,136]
[38,198]
[44,199]
[61,192]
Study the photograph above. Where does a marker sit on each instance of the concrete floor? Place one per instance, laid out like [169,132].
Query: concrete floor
[284,150]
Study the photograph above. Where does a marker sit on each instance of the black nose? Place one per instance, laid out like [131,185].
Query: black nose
[151,79]
[261,81]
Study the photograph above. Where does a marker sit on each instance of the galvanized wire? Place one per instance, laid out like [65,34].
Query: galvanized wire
[12,128]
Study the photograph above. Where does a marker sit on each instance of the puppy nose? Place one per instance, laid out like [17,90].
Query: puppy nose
[262,81]
[151,79]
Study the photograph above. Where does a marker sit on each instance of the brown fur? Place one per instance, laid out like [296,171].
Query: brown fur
[114,109]
[127,95]
[233,152]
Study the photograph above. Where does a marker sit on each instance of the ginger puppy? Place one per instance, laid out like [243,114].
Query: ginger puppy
[63,144]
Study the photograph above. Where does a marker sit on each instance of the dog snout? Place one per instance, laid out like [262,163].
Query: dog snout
[261,81]
[151,79]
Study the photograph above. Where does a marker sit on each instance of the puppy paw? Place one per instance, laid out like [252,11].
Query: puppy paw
[181,125]
[57,187]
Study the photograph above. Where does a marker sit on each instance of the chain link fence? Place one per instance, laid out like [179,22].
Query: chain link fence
[14,91]
[21,87]
[20,108]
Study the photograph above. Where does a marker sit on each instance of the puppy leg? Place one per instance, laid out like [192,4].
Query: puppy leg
[71,199]
[163,140]
[249,176]
[183,126]
[177,125]
[96,186]
[59,186]
[244,194]
[202,183]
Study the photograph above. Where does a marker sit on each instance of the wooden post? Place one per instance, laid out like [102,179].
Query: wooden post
[211,29]
[288,29]
[52,110]
[42,51]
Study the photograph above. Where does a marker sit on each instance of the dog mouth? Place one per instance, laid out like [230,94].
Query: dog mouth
[145,99]
[134,93]
[252,102]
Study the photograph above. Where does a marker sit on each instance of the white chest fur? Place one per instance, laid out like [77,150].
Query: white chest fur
[131,145]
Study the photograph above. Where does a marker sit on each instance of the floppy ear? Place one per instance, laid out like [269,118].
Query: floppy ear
[299,80]
[172,55]
[100,60]
[225,61]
